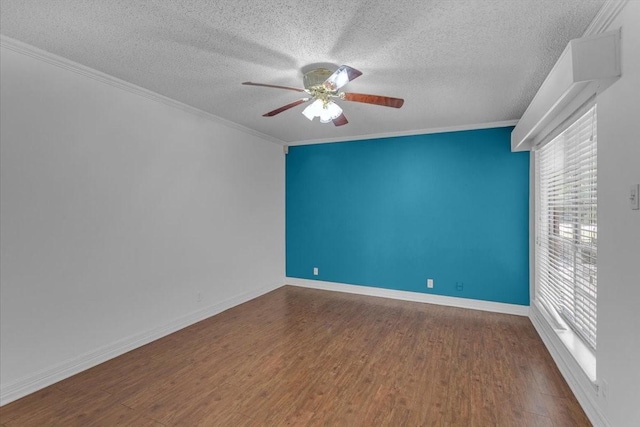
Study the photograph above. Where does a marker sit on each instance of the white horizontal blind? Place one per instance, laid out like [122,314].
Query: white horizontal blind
[567,227]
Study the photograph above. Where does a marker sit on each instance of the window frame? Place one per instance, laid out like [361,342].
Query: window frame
[579,344]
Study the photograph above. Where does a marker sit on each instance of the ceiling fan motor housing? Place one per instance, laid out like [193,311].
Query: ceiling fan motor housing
[316,77]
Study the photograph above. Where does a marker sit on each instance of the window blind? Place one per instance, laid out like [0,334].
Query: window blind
[567,227]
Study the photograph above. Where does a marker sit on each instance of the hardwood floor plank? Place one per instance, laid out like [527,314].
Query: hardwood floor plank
[309,357]
[220,419]
[120,415]
[566,412]
[60,408]
[44,401]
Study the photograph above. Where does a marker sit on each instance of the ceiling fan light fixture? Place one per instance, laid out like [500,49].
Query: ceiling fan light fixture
[313,110]
[327,112]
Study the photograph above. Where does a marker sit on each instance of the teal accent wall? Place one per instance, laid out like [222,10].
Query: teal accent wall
[392,212]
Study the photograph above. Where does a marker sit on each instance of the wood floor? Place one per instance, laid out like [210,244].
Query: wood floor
[303,357]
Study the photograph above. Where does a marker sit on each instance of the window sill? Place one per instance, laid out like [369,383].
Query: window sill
[582,354]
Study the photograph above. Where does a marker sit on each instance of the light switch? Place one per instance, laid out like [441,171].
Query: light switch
[634,197]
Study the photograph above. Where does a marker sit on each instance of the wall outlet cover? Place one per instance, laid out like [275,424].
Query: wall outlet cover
[634,197]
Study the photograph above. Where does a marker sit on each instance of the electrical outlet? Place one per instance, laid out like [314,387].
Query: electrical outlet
[315,271]
[430,283]
[459,286]
[634,197]
[199,296]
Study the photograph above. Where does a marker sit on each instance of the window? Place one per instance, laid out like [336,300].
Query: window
[567,226]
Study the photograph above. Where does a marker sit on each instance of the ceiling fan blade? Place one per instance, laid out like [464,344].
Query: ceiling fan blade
[385,101]
[285,107]
[273,86]
[340,120]
[341,77]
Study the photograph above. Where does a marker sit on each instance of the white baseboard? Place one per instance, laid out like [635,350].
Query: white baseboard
[496,307]
[585,391]
[32,383]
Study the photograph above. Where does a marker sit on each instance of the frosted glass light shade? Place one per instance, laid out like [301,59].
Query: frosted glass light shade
[330,112]
[313,110]
[326,113]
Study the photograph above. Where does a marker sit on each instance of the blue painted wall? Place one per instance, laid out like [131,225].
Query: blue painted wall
[392,212]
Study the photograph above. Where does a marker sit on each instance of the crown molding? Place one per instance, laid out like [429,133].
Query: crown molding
[605,16]
[58,61]
[460,128]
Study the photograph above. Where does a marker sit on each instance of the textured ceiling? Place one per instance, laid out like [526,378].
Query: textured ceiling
[455,62]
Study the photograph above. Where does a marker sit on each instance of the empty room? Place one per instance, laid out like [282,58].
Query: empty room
[366,213]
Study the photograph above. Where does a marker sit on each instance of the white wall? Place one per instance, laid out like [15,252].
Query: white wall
[615,400]
[116,212]
[618,357]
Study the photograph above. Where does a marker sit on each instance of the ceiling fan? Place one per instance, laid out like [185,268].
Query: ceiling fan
[322,85]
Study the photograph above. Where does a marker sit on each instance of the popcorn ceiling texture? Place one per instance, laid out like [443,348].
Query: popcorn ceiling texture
[456,62]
